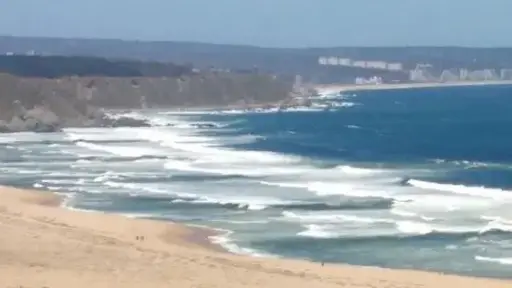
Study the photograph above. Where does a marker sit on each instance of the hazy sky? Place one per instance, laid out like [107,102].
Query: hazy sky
[280,23]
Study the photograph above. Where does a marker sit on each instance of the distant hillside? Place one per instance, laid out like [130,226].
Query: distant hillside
[59,66]
[285,61]
[43,94]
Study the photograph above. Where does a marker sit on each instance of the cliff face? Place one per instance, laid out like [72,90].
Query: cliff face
[206,89]
[38,104]
[44,93]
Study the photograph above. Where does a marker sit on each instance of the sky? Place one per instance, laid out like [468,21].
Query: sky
[271,23]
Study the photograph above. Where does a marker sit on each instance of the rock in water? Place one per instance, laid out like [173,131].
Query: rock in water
[41,119]
[4,127]
[38,119]
[129,122]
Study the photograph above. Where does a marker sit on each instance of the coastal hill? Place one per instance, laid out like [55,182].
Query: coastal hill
[44,93]
[286,62]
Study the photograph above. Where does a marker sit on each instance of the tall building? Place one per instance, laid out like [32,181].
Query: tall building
[376,65]
[463,74]
[361,64]
[344,61]
[395,66]
[332,61]
[322,60]
[449,76]
[506,74]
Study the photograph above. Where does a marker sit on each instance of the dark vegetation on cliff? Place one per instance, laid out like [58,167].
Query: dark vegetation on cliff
[60,66]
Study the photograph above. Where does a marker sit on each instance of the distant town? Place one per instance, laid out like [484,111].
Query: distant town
[323,66]
[423,72]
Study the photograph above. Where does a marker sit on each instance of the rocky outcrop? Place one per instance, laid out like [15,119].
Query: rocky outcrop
[126,122]
[47,105]
[37,119]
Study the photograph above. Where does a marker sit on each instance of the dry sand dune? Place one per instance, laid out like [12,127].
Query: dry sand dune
[42,245]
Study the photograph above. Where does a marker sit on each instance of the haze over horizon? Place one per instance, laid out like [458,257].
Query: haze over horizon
[284,23]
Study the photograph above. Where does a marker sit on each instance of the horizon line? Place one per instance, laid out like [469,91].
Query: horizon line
[251,45]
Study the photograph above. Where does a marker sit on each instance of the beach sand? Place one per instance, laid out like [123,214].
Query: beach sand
[334,88]
[43,245]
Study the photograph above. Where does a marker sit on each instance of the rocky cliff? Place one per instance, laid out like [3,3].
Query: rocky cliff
[42,104]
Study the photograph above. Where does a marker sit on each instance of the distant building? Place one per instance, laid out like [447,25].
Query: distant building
[395,66]
[376,65]
[506,74]
[449,76]
[361,64]
[332,61]
[482,75]
[422,73]
[322,60]
[373,80]
[344,61]
[463,74]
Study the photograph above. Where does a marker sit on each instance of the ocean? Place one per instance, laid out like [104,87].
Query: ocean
[412,178]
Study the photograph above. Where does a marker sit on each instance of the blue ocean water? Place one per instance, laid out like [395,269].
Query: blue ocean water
[417,179]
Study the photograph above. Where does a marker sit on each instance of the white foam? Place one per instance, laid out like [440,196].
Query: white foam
[121,150]
[415,228]
[248,202]
[64,181]
[408,214]
[347,104]
[503,261]
[244,202]
[351,190]
[225,241]
[358,171]
[497,219]
[38,185]
[323,217]
[242,222]
[317,231]
[109,175]
[492,193]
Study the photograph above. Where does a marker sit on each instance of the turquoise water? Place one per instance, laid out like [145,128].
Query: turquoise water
[416,179]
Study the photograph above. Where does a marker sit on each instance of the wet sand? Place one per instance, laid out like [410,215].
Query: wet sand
[43,245]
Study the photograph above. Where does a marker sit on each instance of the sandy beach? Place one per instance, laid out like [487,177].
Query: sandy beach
[43,245]
[333,88]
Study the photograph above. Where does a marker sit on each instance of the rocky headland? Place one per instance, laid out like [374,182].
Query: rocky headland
[45,94]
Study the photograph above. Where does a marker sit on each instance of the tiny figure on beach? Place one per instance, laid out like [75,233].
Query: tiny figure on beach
[322,263]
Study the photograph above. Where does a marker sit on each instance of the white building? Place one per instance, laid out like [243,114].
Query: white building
[449,76]
[373,80]
[322,60]
[506,74]
[395,66]
[480,75]
[344,61]
[463,74]
[361,64]
[376,65]
[332,61]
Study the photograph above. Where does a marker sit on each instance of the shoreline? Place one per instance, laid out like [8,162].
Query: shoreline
[340,88]
[199,235]
[44,244]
